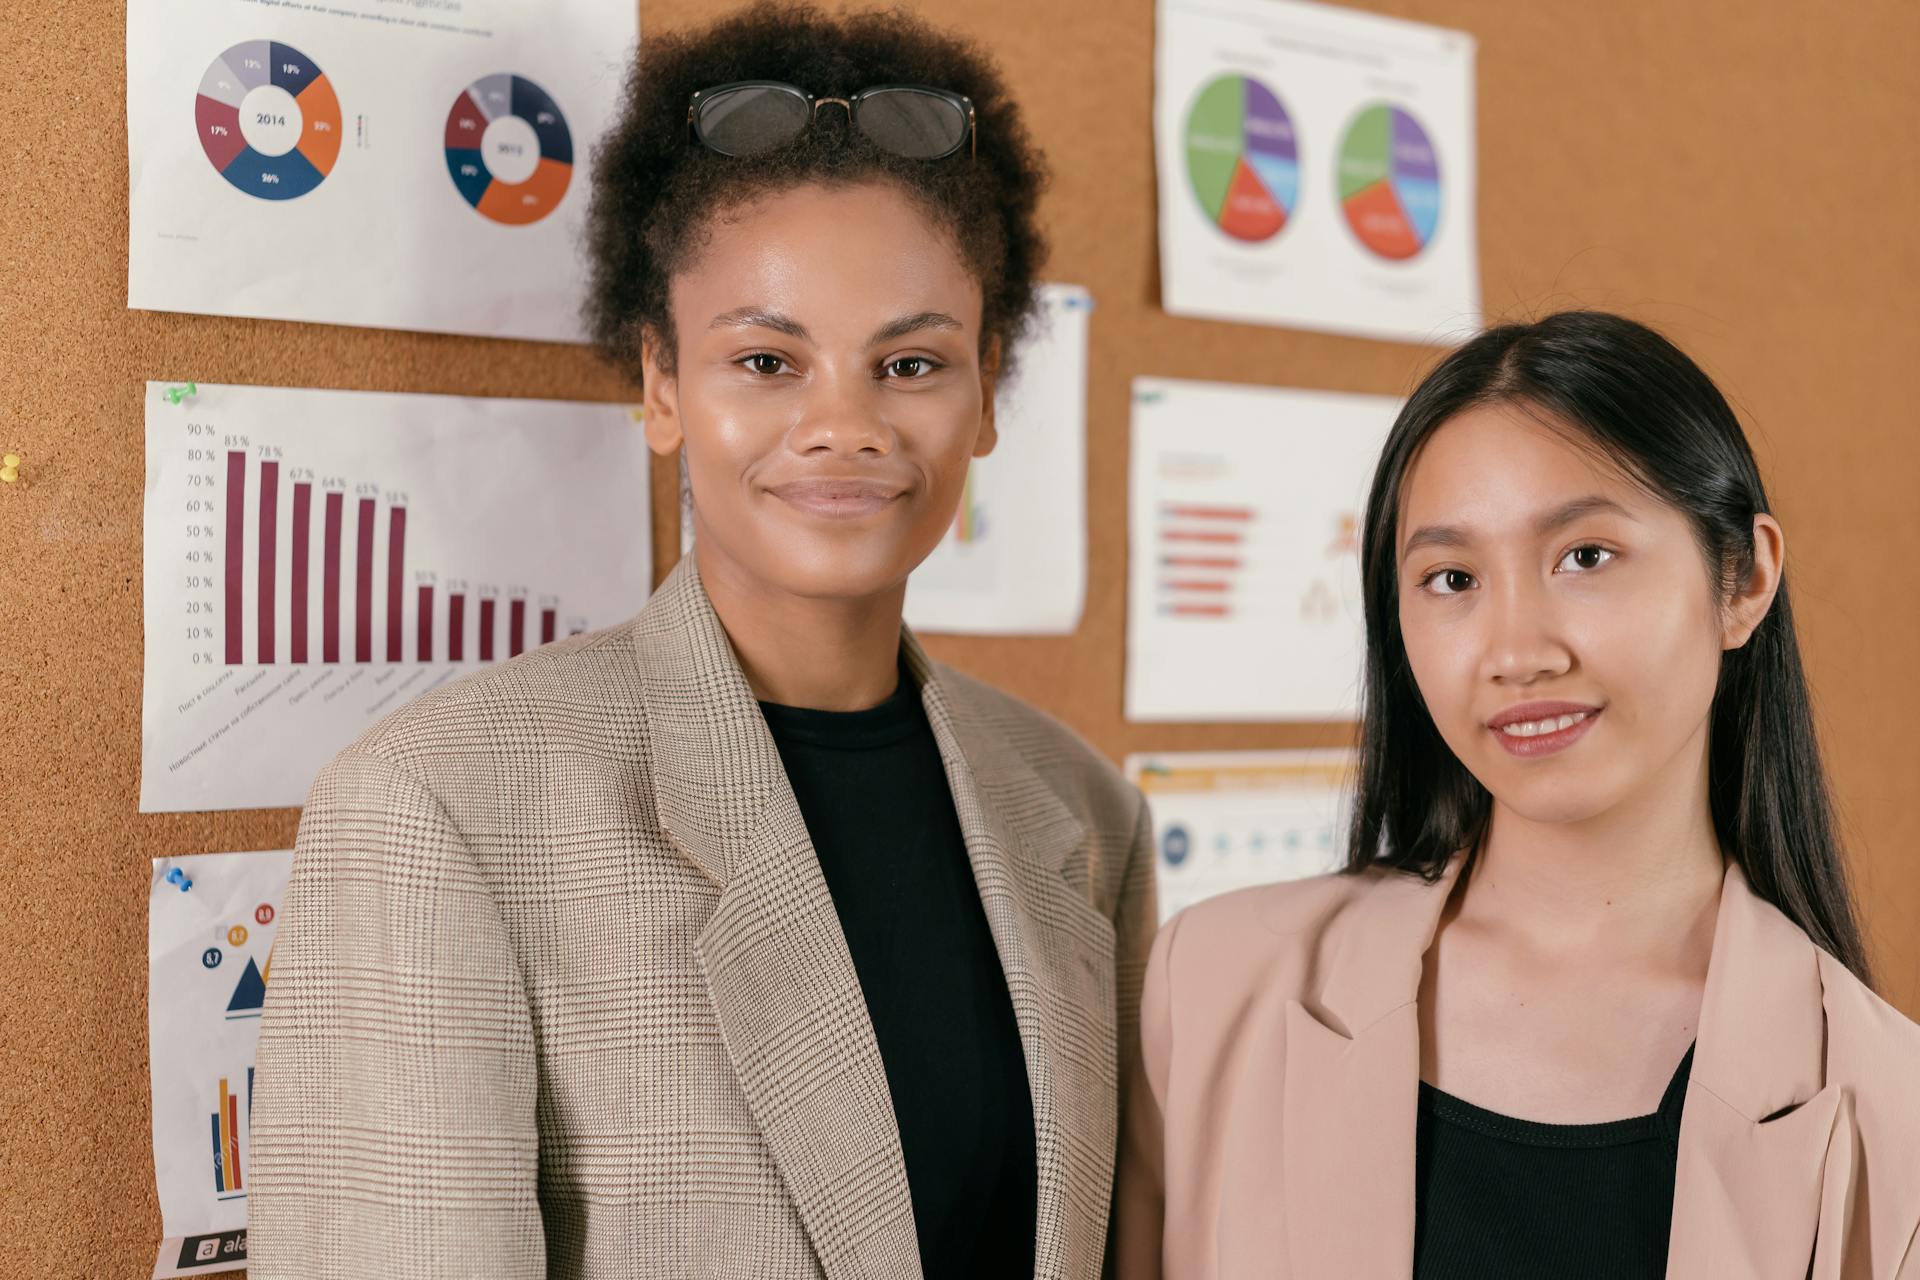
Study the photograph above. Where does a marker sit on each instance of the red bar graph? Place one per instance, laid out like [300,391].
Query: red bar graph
[363,585]
[302,519]
[269,530]
[299,573]
[426,624]
[236,530]
[330,582]
[396,567]
[456,627]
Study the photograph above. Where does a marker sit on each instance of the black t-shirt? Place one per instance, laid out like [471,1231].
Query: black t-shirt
[1497,1196]
[874,794]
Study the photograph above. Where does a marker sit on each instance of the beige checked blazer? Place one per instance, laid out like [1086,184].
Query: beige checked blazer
[559,989]
[1275,1135]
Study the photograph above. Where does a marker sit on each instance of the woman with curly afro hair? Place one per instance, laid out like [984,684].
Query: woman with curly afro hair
[740,939]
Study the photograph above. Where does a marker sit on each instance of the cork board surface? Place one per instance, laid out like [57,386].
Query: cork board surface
[1739,173]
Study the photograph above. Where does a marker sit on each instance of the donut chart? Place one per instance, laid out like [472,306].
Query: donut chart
[508,149]
[1242,161]
[268,120]
[1389,182]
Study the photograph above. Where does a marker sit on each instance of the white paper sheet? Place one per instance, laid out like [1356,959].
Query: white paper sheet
[501,523]
[1316,169]
[1243,568]
[419,165]
[1229,820]
[1015,561]
[210,927]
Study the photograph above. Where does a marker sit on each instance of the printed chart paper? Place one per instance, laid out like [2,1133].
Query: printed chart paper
[1243,567]
[314,559]
[1229,820]
[1316,169]
[1015,561]
[421,165]
[210,930]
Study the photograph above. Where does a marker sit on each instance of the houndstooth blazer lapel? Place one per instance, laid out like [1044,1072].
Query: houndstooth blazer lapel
[779,975]
[1057,951]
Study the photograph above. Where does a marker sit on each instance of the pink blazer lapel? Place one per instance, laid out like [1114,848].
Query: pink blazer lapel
[1765,1144]
[1351,1093]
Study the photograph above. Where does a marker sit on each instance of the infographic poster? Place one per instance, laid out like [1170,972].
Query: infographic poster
[315,559]
[1234,819]
[1243,599]
[1316,169]
[403,166]
[211,921]
[1015,560]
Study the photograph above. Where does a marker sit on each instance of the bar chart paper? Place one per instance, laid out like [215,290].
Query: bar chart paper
[1243,597]
[315,559]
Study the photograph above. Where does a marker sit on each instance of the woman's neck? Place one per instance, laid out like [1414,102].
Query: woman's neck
[1643,877]
[824,654]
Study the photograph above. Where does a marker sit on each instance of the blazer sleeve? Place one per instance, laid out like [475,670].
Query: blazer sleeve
[393,1130]
[1140,1214]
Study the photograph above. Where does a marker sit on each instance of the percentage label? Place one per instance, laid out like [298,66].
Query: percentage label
[217,130]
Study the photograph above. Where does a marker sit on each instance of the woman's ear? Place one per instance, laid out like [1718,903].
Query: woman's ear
[989,383]
[1752,599]
[659,398]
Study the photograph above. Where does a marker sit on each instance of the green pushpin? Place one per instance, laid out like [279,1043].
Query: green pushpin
[177,394]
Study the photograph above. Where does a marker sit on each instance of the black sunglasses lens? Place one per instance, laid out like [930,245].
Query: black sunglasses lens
[751,119]
[913,123]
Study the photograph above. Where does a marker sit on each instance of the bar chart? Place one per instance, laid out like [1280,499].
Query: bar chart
[249,504]
[317,559]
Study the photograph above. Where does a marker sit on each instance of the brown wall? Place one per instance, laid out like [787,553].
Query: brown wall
[1742,173]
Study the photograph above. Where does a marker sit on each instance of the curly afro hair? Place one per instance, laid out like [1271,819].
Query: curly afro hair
[655,191]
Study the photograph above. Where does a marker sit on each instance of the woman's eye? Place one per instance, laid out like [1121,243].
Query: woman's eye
[1448,582]
[1582,558]
[909,367]
[765,363]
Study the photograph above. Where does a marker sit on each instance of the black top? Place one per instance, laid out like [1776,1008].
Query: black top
[874,794]
[1496,1196]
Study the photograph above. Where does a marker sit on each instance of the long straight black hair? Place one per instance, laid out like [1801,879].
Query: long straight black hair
[1640,402]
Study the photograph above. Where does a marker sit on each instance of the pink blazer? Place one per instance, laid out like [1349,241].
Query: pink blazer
[1280,1038]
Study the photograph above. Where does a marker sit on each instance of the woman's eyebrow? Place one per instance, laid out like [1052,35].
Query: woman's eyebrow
[761,318]
[912,324]
[1447,535]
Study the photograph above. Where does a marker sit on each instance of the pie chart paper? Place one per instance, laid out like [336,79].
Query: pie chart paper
[395,166]
[1316,169]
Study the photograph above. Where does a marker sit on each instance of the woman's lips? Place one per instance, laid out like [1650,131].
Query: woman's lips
[1542,728]
[837,499]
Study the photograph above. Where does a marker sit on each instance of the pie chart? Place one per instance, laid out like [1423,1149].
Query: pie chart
[508,149]
[268,120]
[1241,157]
[1389,182]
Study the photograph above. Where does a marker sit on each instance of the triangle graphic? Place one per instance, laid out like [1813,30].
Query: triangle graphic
[250,993]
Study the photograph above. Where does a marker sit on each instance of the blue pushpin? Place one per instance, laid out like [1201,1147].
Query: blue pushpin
[175,876]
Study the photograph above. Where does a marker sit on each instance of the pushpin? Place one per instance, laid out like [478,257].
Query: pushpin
[175,876]
[177,394]
[10,468]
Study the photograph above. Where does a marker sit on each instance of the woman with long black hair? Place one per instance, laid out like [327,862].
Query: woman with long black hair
[1590,998]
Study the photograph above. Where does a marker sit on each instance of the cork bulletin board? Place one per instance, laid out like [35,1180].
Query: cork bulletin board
[1739,173]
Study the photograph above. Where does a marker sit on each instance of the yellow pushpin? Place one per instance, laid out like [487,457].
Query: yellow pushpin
[9,468]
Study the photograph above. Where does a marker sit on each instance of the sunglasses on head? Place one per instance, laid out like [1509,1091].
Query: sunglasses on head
[751,117]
